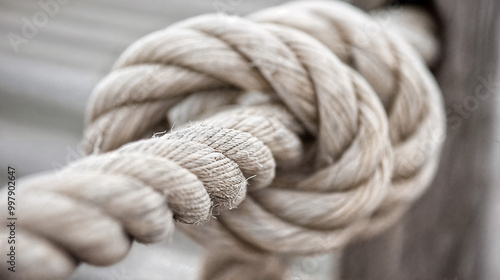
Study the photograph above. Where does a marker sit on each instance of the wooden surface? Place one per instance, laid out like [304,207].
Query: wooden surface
[44,88]
[452,232]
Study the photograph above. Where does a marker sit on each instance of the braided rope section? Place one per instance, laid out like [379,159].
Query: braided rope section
[316,134]
[309,56]
[89,211]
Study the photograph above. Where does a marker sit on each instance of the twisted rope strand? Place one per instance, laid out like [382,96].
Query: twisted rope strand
[137,189]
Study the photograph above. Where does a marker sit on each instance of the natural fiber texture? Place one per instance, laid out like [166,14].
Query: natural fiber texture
[336,130]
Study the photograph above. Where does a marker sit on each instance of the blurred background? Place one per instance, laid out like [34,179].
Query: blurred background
[46,79]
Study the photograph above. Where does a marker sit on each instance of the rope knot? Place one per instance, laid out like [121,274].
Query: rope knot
[299,126]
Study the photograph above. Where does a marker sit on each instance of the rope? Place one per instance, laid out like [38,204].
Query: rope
[314,133]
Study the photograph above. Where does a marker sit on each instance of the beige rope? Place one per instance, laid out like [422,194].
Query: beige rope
[292,102]
[88,212]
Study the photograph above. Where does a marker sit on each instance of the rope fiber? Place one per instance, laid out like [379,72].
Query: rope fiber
[303,127]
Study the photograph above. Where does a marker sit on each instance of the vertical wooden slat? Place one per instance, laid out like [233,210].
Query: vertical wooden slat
[441,237]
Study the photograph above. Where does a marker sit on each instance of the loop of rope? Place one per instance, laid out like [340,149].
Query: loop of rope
[335,131]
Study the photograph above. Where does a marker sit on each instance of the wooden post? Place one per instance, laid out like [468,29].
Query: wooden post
[442,236]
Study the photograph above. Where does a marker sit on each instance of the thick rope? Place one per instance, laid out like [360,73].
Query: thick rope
[275,58]
[88,211]
[301,86]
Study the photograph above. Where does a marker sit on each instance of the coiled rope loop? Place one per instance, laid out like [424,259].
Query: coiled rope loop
[335,130]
